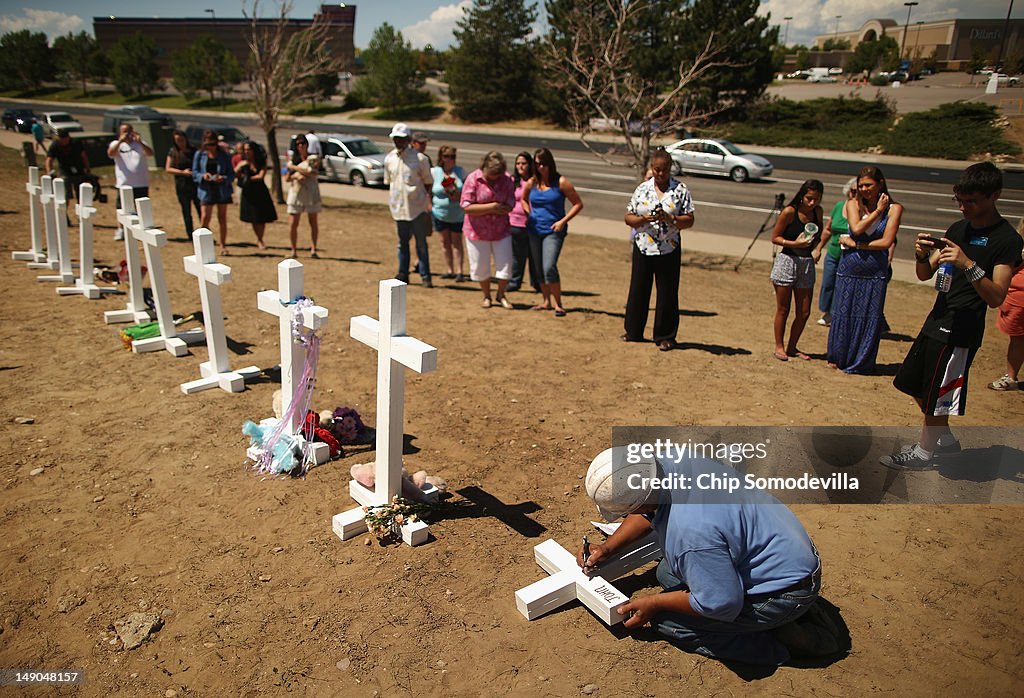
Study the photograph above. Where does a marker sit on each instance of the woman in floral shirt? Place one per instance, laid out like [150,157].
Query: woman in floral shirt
[661,206]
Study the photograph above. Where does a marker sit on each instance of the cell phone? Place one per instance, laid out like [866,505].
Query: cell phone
[938,243]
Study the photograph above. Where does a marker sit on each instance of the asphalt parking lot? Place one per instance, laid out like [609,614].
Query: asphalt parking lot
[917,95]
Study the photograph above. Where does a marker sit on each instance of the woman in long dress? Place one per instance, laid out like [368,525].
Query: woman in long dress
[863,274]
[256,206]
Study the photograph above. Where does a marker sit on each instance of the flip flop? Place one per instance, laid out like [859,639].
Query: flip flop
[559,313]
[541,307]
[781,356]
[800,355]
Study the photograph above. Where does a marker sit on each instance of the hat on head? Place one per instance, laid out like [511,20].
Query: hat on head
[609,483]
[420,137]
[399,130]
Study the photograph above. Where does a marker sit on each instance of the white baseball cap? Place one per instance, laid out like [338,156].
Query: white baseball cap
[609,483]
[400,130]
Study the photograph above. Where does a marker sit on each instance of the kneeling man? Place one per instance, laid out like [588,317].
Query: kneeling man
[739,572]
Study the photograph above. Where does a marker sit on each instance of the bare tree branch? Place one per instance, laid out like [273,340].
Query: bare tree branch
[281,61]
[595,68]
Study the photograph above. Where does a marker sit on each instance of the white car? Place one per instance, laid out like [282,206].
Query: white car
[54,120]
[1007,80]
[717,157]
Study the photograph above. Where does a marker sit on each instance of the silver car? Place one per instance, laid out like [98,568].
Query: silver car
[353,159]
[53,121]
[717,157]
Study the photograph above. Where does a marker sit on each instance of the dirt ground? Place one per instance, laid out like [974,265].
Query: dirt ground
[145,502]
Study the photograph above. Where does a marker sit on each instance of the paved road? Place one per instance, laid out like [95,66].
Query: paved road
[723,206]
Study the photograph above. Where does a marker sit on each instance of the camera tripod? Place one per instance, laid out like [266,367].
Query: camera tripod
[780,201]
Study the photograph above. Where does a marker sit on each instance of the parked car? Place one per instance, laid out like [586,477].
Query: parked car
[798,75]
[19,120]
[1007,80]
[353,159]
[835,71]
[821,78]
[718,157]
[229,134]
[53,120]
[113,119]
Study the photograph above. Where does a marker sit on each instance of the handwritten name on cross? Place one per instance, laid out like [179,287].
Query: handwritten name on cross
[567,582]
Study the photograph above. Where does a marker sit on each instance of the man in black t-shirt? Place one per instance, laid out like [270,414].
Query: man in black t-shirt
[74,164]
[983,250]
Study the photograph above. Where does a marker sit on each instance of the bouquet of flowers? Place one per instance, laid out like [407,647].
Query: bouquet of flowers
[347,425]
[448,184]
[385,521]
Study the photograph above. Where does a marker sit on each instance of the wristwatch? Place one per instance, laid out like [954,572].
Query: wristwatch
[974,273]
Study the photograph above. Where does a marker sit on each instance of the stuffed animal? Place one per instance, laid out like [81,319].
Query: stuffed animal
[412,485]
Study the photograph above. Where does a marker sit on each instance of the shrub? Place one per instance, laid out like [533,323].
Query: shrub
[959,130]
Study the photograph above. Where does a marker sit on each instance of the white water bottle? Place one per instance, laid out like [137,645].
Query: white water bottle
[944,277]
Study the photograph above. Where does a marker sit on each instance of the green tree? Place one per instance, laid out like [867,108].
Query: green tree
[205,65]
[871,55]
[322,86]
[79,57]
[26,59]
[836,45]
[133,65]
[491,71]
[390,81]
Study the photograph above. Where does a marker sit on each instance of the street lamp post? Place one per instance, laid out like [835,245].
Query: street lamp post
[903,43]
[835,34]
[917,39]
[785,41]
[1002,44]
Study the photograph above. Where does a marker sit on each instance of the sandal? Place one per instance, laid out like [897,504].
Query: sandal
[667,345]
[486,303]
[780,355]
[541,307]
[799,355]
[505,303]
[559,313]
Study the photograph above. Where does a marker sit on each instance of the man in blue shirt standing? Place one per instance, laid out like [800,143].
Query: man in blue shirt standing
[739,571]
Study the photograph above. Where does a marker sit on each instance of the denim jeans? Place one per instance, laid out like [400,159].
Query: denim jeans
[744,639]
[418,227]
[546,249]
[828,284]
[523,258]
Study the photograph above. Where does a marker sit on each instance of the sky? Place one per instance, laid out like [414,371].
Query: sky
[431,22]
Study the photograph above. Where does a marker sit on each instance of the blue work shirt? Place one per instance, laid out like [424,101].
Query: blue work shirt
[724,547]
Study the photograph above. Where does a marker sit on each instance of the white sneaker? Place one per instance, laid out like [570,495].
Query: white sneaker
[825,320]
[1005,383]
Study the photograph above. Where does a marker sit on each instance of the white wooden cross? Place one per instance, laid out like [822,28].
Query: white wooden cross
[85,283]
[152,239]
[217,371]
[568,582]
[52,261]
[36,254]
[280,303]
[395,353]
[59,204]
[135,310]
